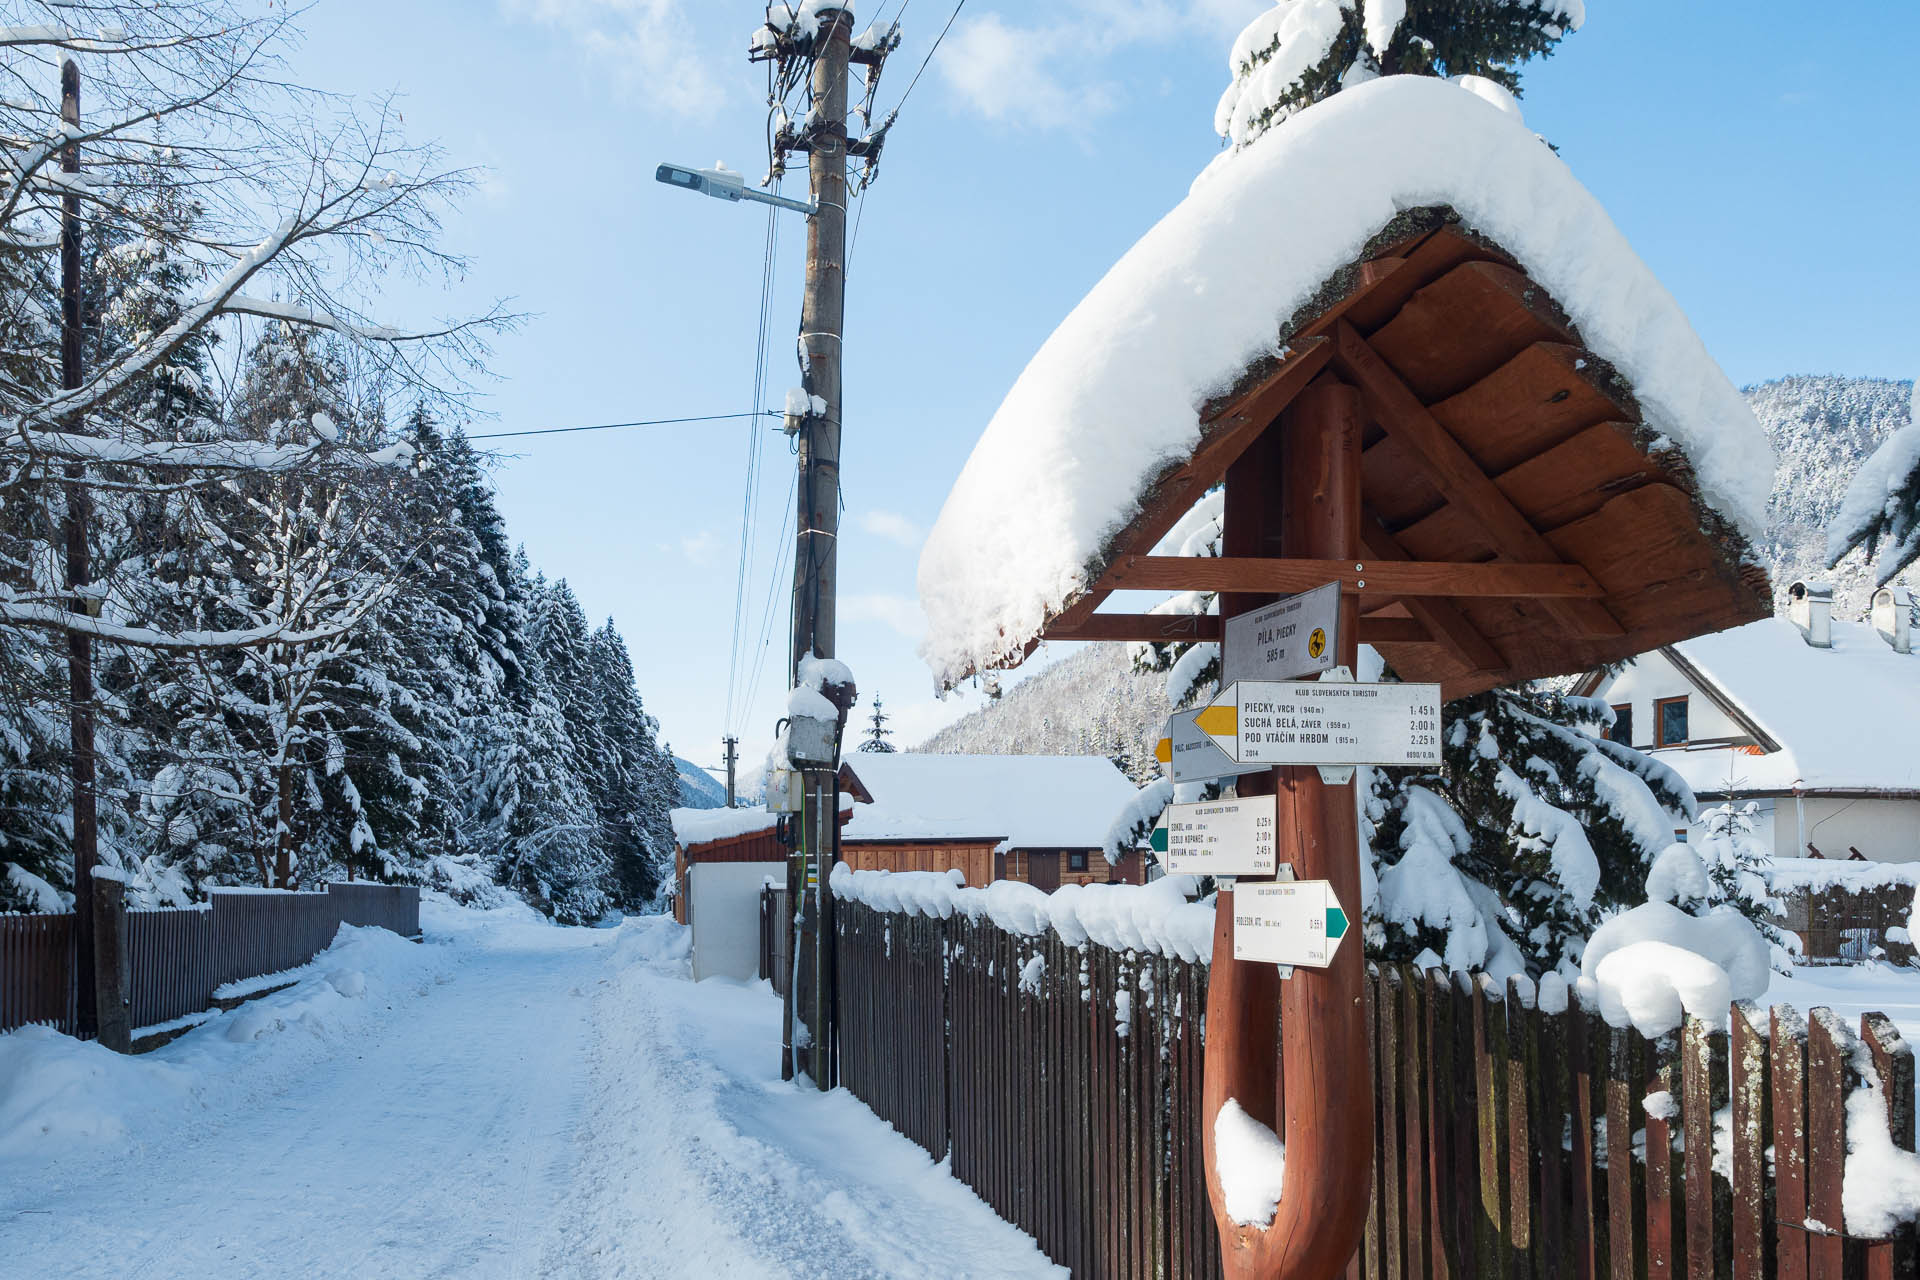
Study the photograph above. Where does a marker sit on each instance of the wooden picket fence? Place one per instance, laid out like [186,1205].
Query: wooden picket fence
[176,959]
[1511,1141]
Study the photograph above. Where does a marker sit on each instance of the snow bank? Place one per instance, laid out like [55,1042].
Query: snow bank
[1157,917]
[1252,1163]
[58,1093]
[1111,398]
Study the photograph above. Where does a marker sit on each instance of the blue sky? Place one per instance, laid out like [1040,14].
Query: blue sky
[1765,162]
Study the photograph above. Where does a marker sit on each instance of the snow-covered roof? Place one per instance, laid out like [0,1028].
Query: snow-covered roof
[1112,401]
[1846,718]
[1025,802]
[698,826]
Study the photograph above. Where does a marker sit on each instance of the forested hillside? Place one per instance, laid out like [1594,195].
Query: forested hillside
[261,622]
[1822,429]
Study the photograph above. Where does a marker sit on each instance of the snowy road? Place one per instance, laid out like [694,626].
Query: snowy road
[514,1100]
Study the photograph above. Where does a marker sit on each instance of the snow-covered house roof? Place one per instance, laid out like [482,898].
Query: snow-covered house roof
[1019,802]
[1839,719]
[693,827]
[1533,395]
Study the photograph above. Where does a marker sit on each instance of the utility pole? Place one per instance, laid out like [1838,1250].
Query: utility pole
[813,54]
[733,757]
[86,831]
[816,553]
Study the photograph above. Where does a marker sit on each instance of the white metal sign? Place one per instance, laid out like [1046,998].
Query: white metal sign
[1318,722]
[1191,756]
[1296,923]
[1221,837]
[1297,636]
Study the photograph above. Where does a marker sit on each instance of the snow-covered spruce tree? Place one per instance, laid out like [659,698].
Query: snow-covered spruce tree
[1551,826]
[542,798]
[264,201]
[1882,507]
[878,737]
[1302,51]
[637,785]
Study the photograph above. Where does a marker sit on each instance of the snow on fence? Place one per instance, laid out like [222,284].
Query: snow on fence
[178,959]
[1062,1079]
[1844,910]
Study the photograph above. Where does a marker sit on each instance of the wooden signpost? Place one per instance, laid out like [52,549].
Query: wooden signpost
[1437,439]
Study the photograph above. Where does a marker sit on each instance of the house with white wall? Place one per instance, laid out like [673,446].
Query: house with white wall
[1813,719]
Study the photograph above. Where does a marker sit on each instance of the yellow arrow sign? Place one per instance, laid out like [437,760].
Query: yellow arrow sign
[1163,751]
[1221,720]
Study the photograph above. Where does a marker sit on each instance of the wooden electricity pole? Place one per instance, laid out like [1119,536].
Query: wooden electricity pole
[86,831]
[816,553]
[1310,462]
[732,745]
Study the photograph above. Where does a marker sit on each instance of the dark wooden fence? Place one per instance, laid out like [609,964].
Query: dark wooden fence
[176,959]
[36,971]
[1842,924]
[776,955]
[1512,1141]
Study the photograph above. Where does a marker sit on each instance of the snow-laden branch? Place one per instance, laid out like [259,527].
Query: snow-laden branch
[54,618]
[208,455]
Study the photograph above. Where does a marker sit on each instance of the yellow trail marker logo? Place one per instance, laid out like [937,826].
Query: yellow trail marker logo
[1163,751]
[1222,720]
[1317,642]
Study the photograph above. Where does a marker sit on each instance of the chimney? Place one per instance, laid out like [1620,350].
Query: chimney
[1893,617]
[1810,608]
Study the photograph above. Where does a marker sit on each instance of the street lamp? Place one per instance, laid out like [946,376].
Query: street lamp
[725,184]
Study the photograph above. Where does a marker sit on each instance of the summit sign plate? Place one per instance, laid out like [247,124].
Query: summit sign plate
[1319,722]
[1292,637]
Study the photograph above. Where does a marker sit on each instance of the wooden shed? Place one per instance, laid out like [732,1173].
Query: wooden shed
[1042,820]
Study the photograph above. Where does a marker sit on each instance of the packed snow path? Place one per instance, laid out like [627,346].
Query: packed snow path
[510,1100]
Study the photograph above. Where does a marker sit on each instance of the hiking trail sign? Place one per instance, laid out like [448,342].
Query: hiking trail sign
[1292,637]
[1191,756]
[1317,722]
[1218,837]
[1296,923]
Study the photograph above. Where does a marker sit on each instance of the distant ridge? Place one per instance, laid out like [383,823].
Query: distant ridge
[698,788]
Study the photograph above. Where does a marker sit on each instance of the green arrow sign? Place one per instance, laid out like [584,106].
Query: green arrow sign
[1336,923]
[1160,836]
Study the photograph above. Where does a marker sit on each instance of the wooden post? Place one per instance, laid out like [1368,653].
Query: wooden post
[1326,1097]
[86,831]
[112,991]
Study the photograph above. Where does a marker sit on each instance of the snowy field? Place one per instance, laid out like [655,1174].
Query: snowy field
[512,1099]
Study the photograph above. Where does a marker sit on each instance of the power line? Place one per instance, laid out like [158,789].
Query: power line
[615,426]
[769,265]
[929,58]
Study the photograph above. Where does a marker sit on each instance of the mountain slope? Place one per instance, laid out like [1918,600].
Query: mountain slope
[698,788]
[1822,428]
